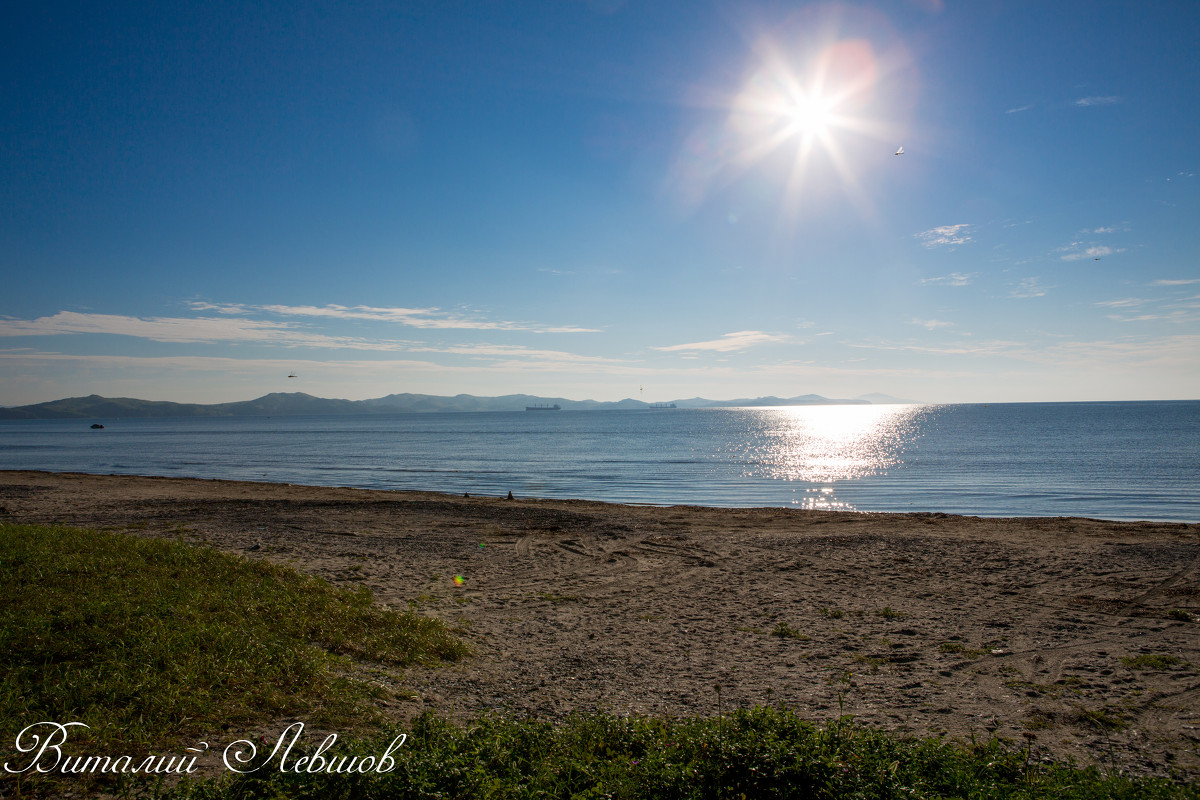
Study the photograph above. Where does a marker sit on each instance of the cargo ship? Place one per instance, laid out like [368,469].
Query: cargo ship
[555,407]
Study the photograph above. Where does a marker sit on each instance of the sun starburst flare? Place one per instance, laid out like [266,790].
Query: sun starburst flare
[815,113]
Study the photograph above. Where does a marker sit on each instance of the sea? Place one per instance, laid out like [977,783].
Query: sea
[1117,461]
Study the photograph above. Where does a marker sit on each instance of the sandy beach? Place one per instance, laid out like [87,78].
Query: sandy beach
[1029,629]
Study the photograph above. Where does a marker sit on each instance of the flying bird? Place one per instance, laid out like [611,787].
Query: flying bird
[292,375]
[899,152]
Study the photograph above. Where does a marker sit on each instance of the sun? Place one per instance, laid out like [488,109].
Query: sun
[809,114]
[803,114]
[808,102]
[821,102]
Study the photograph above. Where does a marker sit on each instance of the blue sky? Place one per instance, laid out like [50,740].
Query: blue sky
[601,199]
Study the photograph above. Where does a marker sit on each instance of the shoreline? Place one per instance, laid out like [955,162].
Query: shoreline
[620,503]
[920,623]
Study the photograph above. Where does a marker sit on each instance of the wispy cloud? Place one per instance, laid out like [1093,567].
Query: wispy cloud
[1171,309]
[221,364]
[945,235]
[514,353]
[229,330]
[340,369]
[1125,302]
[967,348]
[1019,109]
[411,317]
[1175,282]
[1175,317]
[1134,351]
[1030,287]
[739,340]
[931,324]
[158,329]
[1087,102]
[953,279]
[1077,251]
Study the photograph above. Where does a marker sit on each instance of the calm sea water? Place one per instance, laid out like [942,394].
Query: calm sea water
[1105,460]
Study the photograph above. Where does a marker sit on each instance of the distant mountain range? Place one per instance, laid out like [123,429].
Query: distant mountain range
[295,403]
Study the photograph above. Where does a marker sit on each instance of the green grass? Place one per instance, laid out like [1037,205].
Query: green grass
[1102,719]
[960,649]
[1152,661]
[150,641]
[784,631]
[753,753]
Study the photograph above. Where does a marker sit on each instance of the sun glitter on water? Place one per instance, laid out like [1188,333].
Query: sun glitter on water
[824,445]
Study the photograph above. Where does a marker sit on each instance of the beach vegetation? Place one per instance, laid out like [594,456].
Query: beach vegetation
[961,649]
[1038,719]
[833,613]
[1152,661]
[151,640]
[888,613]
[1103,719]
[784,631]
[873,662]
[760,752]
[1180,614]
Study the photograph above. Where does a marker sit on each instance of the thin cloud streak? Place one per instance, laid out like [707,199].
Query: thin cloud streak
[1087,102]
[1182,351]
[160,329]
[953,279]
[1125,302]
[411,317]
[945,235]
[1030,287]
[210,330]
[931,324]
[1073,253]
[729,342]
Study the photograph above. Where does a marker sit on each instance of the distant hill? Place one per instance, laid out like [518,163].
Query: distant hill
[110,407]
[297,403]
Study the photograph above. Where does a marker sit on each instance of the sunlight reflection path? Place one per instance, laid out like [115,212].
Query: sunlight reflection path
[825,444]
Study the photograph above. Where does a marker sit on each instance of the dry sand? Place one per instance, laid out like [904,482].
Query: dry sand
[920,623]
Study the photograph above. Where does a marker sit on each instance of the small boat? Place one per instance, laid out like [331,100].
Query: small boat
[96,426]
[555,407]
